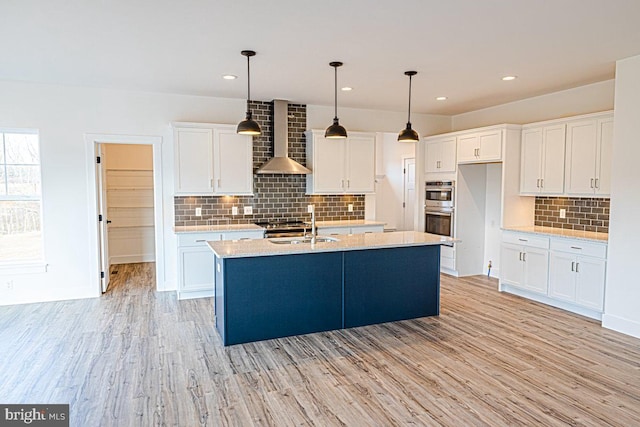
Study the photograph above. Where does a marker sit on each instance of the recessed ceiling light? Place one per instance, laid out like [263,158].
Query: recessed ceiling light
[347,89]
[509,78]
[229,77]
[441,98]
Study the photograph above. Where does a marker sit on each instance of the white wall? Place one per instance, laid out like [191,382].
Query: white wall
[580,100]
[622,294]
[390,182]
[492,234]
[63,115]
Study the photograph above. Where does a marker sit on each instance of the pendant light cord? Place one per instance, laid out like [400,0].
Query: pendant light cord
[335,89]
[248,82]
[409,113]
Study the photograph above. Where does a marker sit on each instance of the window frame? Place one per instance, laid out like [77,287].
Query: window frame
[32,265]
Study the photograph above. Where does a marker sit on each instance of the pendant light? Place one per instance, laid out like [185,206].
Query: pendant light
[408,134]
[248,126]
[335,131]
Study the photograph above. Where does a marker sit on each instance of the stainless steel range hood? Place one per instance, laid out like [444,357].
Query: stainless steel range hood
[281,163]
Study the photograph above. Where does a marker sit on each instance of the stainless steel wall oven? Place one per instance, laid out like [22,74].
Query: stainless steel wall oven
[439,207]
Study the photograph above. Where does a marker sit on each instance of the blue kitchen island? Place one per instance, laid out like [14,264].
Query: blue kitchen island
[270,288]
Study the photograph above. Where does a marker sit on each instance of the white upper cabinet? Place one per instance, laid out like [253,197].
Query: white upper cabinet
[440,154]
[212,159]
[233,162]
[480,147]
[193,161]
[340,166]
[588,156]
[542,163]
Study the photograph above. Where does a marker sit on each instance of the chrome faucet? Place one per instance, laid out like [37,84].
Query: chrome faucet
[314,230]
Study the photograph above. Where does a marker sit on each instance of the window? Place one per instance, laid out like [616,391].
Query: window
[20,198]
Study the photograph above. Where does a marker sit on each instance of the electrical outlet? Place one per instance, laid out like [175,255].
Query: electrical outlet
[563,213]
[198,211]
[248,210]
[234,210]
[10,285]
[309,208]
[350,207]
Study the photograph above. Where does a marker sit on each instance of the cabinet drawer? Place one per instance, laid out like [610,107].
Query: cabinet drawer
[447,251]
[332,231]
[367,229]
[526,240]
[579,247]
[197,239]
[449,263]
[242,235]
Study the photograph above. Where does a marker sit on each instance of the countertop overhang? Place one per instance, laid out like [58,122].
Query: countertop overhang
[263,247]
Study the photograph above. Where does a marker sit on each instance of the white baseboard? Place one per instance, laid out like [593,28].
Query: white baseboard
[129,259]
[618,324]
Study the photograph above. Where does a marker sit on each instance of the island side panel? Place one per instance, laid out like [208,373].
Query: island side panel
[277,296]
[385,285]
[218,295]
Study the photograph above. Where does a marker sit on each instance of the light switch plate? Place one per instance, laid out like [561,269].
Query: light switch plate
[198,211]
[309,208]
[248,210]
[563,213]
[350,207]
[234,210]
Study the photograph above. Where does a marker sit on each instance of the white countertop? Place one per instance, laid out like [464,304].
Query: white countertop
[216,228]
[347,223]
[562,232]
[263,247]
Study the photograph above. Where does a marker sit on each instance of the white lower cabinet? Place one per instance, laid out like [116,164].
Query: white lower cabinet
[570,274]
[578,278]
[195,261]
[525,263]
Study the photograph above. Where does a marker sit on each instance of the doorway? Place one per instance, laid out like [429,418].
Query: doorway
[127,189]
[409,193]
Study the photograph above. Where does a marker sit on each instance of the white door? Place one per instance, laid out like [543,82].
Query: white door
[103,222]
[605,139]
[193,161]
[581,157]
[468,146]
[536,268]
[447,155]
[432,156]
[233,162]
[562,276]
[409,193]
[329,164]
[511,270]
[590,282]
[490,145]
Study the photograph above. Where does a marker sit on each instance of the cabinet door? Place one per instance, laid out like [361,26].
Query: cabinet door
[531,160]
[447,155]
[196,269]
[193,161]
[590,282]
[233,155]
[360,166]
[605,140]
[328,165]
[490,144]
[432,156]
[468,146]
[536,269]
[562,276]
[553,160]
[581,157]
[511,270]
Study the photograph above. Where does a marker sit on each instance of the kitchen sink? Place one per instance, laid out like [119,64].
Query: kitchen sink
[300,240]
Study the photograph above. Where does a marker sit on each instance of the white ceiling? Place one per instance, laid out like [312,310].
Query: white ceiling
[460,48]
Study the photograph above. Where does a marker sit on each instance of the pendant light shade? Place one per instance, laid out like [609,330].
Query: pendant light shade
[248,126]
[335,131]
[408,134]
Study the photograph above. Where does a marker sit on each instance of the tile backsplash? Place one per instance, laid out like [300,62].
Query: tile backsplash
[276,196]
[582,213]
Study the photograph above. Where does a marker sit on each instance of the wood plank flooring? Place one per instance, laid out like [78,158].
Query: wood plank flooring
[136,357]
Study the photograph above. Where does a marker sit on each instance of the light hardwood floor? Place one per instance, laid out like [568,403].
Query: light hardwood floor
[138,357]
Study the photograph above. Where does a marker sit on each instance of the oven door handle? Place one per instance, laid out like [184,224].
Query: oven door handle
[438,213]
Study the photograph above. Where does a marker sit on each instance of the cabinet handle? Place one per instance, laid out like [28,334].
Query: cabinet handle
[597,183]
[211,183]
[524,256]
[523,240]
[576,247]
[573,264]
[348,184]
[218,182]
[577,269]
[200,240]
[520,257]
[591,182]
[342,183]
[541,182]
